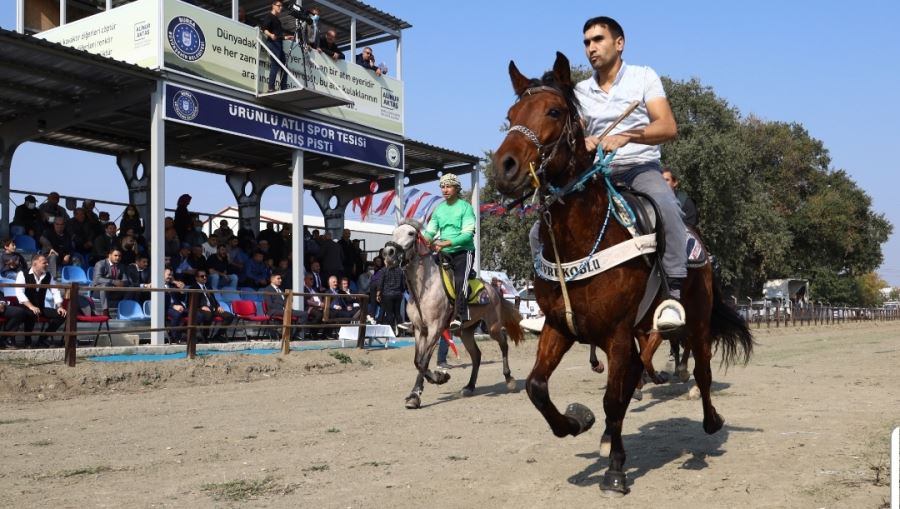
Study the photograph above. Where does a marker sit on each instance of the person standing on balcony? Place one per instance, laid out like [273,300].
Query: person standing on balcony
[274,34]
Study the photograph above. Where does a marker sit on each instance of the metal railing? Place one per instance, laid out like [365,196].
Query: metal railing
[287,327]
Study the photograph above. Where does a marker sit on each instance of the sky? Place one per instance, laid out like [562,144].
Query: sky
[833,67]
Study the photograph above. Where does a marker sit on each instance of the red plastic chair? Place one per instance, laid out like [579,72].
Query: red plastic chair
[246,310]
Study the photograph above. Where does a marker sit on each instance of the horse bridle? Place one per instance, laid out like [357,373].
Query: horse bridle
[403,260]
[567,133]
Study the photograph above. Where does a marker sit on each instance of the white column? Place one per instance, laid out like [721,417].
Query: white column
[352,57]
[297,225]
[20,16]
[108,4]
[476,205]
[400,56]
[157,212]
[62,12]
[235,9]
[398,197]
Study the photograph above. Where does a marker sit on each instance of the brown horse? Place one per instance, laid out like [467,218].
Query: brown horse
[547,136]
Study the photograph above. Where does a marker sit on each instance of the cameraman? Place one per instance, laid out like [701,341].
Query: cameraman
[274,32]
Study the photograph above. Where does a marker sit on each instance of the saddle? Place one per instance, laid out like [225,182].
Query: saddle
[477,295]
[647,217]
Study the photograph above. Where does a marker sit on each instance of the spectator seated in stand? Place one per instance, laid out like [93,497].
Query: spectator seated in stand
[209,309]
[223,231]
[51,209]
[315,307]
[29,217]
[256,272]
[219,270]
[274,304]
[110,272]
[46,303]
[83,233]
[131,220]
[138,276]
[176,306]
[340,307]
[130,249]
[347,290]
[211,246]
[13,318]
[103,244]
[11,262]
[59,246]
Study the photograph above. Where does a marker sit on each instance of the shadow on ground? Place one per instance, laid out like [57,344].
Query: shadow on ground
[659,443]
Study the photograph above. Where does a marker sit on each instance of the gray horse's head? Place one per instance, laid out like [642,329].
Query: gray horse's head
[402,246]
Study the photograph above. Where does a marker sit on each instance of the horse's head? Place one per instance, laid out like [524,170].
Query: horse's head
[401,249]
[545,139]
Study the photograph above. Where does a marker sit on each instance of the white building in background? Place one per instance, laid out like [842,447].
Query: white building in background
[373,235]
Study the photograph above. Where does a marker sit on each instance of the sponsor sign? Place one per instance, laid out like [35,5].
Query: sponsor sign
[209,46]
[212,111]
[127,33]
[596,263]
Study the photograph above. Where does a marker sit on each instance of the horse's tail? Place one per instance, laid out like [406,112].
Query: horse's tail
[729,330]
[510,318]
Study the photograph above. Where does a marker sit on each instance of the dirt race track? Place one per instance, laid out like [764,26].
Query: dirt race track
[807,425]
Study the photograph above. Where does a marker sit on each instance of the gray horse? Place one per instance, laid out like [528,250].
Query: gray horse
[429,310]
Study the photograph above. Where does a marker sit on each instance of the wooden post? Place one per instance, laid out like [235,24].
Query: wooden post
[192,309]
[363,313]
[71,340]
[286,330]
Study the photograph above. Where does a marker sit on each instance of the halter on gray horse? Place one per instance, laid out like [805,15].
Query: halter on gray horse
[430,311]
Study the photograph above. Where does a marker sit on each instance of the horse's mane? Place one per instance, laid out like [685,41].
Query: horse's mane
[411,222]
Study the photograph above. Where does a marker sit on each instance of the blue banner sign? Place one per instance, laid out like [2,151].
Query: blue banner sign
[211,111]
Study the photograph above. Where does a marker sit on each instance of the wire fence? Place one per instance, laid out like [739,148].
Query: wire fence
[815,315]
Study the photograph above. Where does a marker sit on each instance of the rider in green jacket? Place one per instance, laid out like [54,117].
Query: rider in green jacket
[453,221]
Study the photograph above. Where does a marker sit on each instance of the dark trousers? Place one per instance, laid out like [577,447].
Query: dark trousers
[462,264]
[314,315]
[277,48]
[15,317]
[390,304]
[173,319]
[55,321]
[206,318]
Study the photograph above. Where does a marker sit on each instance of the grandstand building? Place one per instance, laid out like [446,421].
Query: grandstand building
[159,83]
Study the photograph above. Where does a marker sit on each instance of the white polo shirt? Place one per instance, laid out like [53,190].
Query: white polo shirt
[599,109]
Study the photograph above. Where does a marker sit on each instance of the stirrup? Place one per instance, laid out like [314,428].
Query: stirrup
[669,316]
[455,325]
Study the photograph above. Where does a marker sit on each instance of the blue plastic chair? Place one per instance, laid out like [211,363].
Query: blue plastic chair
[8,291]
[146,308]
[25,243]
[15,230]
[131,310]
[90,272]
[74,274]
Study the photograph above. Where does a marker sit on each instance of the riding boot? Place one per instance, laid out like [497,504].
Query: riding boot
[670,313]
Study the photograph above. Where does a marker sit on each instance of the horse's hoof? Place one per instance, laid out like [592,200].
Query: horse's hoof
[582,416]
[713,425]
[441,377]
[684,375]
[661,378]
[637,395]
[413,402]
[599,368]
[511,384]
[605,446]
[694,393]
[614,484]
[466,392]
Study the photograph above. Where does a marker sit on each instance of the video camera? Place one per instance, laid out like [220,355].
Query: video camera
[298,11]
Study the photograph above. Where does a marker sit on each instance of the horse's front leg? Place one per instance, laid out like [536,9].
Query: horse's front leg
[625,368]
[551,348]
[596,363]
[712,421]
[425,345]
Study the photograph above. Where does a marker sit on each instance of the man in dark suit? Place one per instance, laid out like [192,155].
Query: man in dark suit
[176,307]
[209,308]
[138,276]
[314,305]
[341,307]
[109,272]
[275,304]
